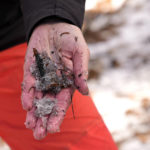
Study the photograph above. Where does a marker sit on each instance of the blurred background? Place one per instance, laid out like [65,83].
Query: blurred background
[118,36]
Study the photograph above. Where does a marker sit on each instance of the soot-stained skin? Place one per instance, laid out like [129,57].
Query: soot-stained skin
[45,72]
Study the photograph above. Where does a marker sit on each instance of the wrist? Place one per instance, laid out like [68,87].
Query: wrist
[49,20]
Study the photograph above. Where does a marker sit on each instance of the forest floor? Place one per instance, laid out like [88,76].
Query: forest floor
[119,72]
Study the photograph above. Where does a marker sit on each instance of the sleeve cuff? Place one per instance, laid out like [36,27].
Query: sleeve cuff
[47,16]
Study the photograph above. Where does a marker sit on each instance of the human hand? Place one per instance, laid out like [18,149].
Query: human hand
[64,44]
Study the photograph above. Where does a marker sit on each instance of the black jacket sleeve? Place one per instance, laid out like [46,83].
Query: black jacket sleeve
[34,11]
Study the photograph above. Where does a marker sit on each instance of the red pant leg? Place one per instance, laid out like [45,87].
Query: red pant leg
[87,131]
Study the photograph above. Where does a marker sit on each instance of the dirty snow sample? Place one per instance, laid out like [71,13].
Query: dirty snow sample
[45,72]
[44,106]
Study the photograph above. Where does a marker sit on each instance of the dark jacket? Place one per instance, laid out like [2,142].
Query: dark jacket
[18,18]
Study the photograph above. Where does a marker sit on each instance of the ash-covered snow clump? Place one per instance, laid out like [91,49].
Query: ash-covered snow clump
[44,106]
[49,78]
[46,71]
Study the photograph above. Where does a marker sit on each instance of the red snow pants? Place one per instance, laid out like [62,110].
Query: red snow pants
[86,132]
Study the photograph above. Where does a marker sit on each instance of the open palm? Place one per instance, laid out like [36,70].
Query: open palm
[64,44]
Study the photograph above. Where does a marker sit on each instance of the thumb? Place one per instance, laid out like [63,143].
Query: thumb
[80,67]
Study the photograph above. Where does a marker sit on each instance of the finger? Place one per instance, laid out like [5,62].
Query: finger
[57,116]
[40,130]
[27,92]
[31,119]
[66,57]
[68,63]
[80,67]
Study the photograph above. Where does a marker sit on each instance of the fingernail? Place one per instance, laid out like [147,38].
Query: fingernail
[86,90]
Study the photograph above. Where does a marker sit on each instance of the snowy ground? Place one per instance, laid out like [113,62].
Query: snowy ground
[121,91]
[3,145]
